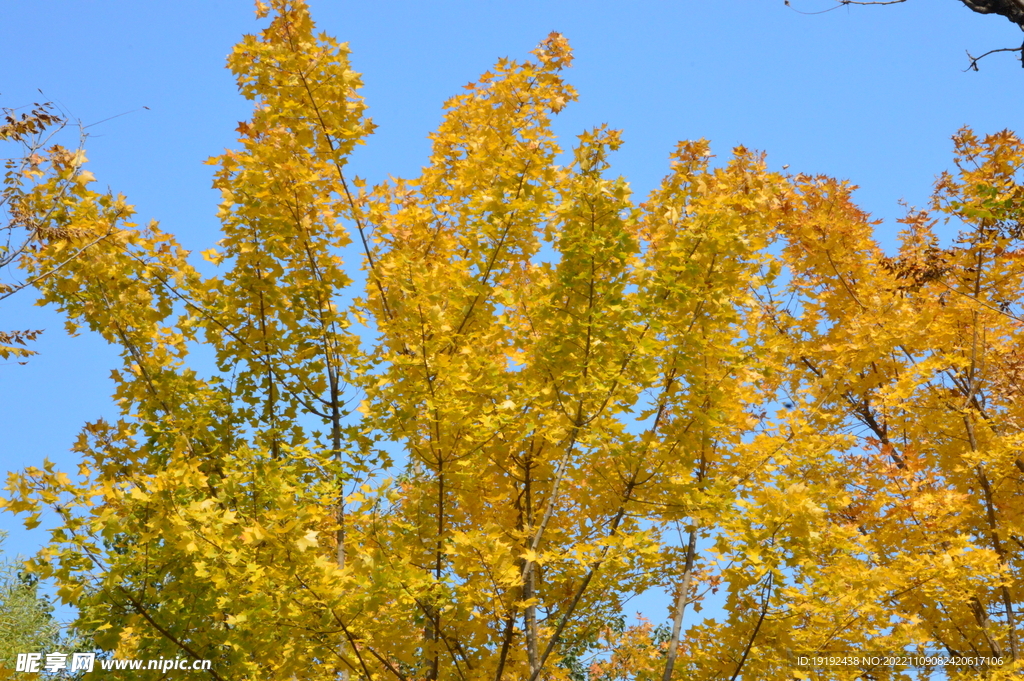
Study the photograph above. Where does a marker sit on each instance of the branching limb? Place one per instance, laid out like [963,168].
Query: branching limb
[846,2]
[973,66]
[766,597]
[1013,10]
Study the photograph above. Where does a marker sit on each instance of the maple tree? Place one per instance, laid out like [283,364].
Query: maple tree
[29,132]
[535,400]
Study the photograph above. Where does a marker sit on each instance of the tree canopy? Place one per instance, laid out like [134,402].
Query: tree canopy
[29,134]
[457,421]
[27,623]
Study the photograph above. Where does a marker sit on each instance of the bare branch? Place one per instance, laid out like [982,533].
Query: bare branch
[1013,10]
[974,60]
[845,2]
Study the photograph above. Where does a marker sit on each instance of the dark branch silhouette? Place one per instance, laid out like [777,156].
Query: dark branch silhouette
[1013,10]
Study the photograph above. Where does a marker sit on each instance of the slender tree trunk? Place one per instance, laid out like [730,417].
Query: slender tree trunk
[531,625]
[432,631]
[677,618]
[529,584]
[339,554]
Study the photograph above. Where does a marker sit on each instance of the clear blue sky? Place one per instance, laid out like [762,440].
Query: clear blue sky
[871,94]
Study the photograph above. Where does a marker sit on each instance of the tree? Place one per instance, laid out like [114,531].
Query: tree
[22,232]
[539,400]
[26,619]
[1013,10]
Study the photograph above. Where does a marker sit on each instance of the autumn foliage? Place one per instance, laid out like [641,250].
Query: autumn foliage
[523,398]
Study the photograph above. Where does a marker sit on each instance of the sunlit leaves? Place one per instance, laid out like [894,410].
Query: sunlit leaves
[536,400]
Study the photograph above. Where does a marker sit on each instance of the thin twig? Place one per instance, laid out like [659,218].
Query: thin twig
[845,2]
[974,60]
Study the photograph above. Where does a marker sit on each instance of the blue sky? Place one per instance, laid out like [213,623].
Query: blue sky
[871,94]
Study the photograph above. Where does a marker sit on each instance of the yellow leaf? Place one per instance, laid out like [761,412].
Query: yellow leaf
[309,540]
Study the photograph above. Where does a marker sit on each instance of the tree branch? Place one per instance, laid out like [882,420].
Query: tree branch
[1013,10]
[973,66]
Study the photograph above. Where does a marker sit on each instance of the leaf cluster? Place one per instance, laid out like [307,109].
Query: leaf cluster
[486,406]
